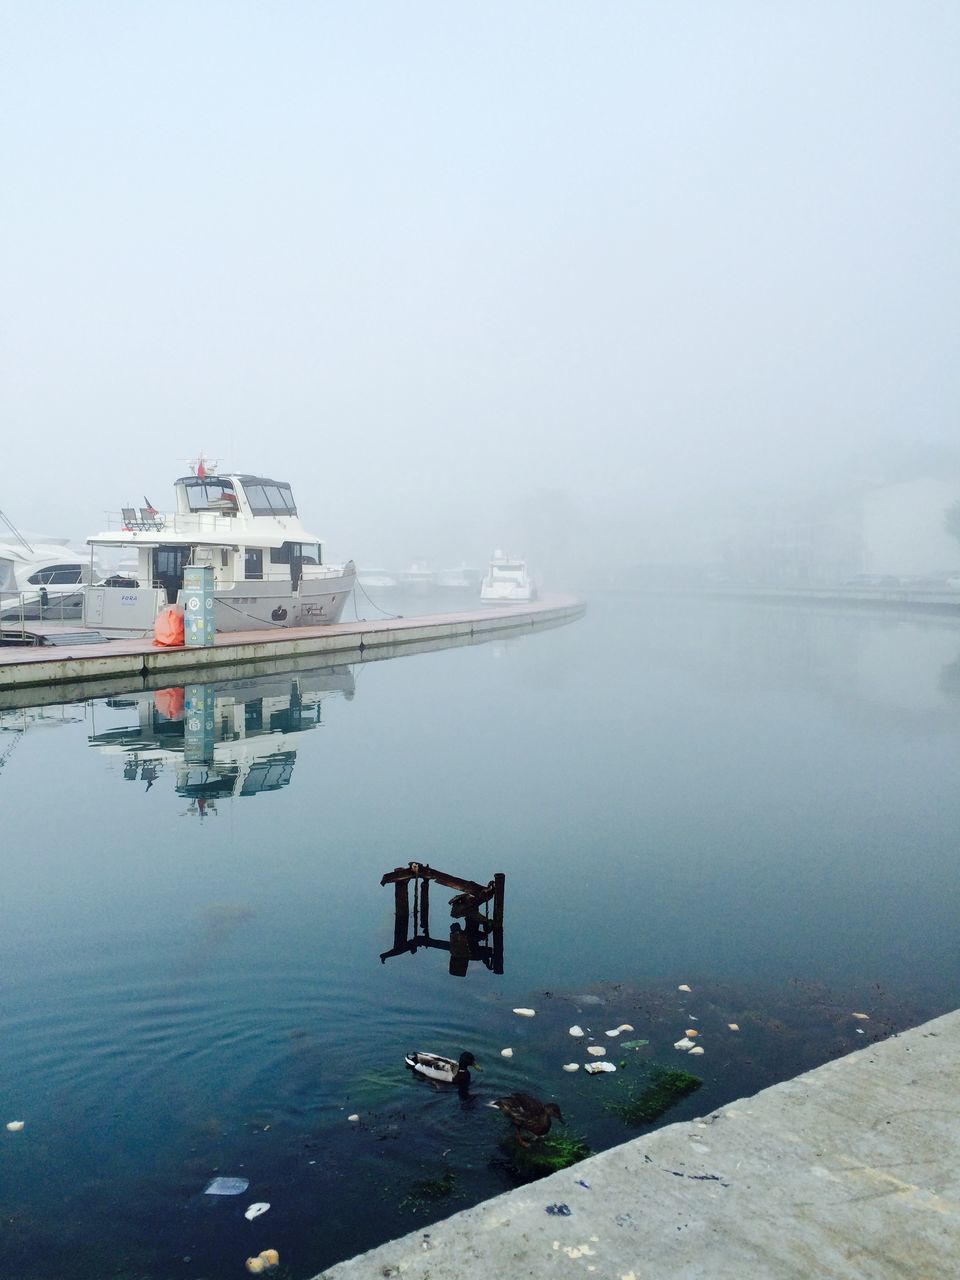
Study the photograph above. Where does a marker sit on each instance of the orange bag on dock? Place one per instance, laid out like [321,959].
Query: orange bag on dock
[168,628]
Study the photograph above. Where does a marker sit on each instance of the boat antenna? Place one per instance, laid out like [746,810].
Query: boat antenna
[16,533]
[201,466]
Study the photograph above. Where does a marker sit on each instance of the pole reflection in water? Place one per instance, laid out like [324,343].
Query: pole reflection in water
[476,910]
[239,740]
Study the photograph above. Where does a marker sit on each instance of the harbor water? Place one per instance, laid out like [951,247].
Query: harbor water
[754,802]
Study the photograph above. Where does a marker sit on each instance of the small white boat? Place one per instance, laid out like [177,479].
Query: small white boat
[420,577]
[507,581]
[268,571]
[376,578]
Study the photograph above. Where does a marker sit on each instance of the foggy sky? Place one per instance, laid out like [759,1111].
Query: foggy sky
[434,262]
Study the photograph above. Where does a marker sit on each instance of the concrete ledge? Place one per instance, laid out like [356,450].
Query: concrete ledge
[22,668]
[850,1171]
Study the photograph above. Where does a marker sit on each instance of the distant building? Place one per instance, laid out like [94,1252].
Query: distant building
[881,530]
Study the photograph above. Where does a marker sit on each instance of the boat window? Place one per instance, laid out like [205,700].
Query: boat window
[281,554]
[57,573]
[253,562]
[210,495]
[270,499]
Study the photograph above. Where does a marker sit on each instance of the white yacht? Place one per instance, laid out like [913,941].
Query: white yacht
[268,570]
[40,577]
[507,581]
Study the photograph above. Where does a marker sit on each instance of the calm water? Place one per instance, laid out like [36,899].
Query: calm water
[759,803]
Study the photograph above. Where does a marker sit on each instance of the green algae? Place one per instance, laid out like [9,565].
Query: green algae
[661,1089]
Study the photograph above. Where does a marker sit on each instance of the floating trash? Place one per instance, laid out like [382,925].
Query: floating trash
[684,1044]
[255,1210]
[864,1017]
[634,1044]
[582,1182]
[594,1067]
[562,1210]
[692,1032]
[859,1031]
[576,1031]
[15,1125]
[683,987]
[597,1050]
[354,1117]
[506,1053]
[697,1049]
[571,1066]
[226,1187]
[525,1013]
[267,1258]
[734,1026]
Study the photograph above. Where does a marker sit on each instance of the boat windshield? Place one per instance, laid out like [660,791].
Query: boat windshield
[268,498]
[209,494]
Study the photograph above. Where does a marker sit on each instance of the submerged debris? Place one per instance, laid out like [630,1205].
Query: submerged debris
[226,1186]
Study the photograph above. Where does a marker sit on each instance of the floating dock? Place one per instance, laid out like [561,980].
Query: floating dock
[68,660]
[850,1171]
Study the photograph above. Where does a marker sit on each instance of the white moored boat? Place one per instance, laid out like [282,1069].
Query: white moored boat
[268,571]
[507,581]
[40,577]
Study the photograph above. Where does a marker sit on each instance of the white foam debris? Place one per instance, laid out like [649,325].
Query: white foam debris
[734,1026]
[684,1044]
[255,1210]
[525,1013]
[15,1125]
[576,1031]
[354,1117]
[594,1067]
[683,987]
[697,1048]
[571,1066]
[597,1050]
[506,1053]
[864,1017]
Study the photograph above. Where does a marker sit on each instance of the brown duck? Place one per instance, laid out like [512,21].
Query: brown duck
[528,1115]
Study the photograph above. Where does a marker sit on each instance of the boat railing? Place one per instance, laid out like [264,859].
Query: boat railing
[17,608]
[203,523]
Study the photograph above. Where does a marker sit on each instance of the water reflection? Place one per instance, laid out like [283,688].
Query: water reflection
[476,910]
[220,742]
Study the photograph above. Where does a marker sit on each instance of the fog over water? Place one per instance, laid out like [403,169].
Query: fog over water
[543,274]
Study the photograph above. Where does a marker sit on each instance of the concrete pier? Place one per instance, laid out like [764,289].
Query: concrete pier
[73,665]
[851,1171]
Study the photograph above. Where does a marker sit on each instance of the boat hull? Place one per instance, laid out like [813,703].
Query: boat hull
[265,605]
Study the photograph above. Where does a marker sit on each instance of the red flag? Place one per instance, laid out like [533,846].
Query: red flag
[201,470]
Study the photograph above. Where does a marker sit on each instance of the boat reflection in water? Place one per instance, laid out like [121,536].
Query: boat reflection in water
[239,740]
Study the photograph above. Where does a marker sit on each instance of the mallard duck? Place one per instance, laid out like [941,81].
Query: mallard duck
[435,1067]
[528,1115]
